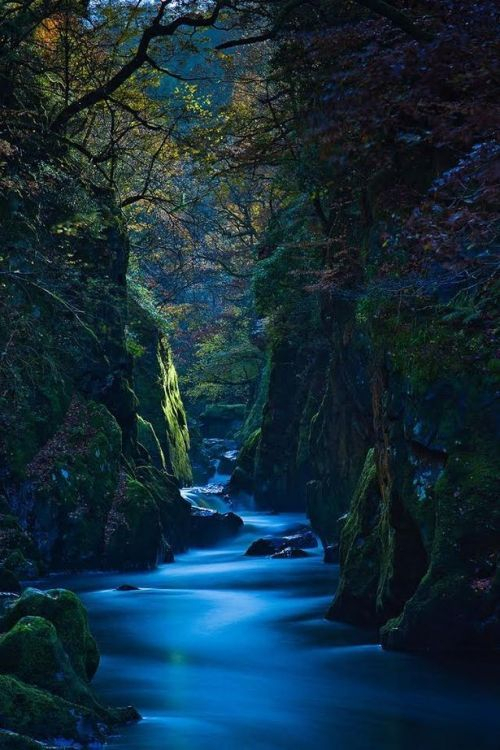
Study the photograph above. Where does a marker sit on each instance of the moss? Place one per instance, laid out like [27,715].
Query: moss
[243,475]
[67,614]
[175,416]
[148,438]
[455,606]
[74,478]
[173,509]
[32,652]
[157,390]
[14,741]
[355,600]
[253,419]
[134,532]
[27,710]
[224,411]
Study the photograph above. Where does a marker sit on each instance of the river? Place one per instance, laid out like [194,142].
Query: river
[220,651]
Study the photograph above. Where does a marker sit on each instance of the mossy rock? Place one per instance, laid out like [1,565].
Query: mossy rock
[243,475]
[134,533]
[456,606]
[67,614]
[74,478]
[228,412]
[173,508]
[14,741]
[32,652]
[148,438]
[159,400]
[36,713]
[355,600]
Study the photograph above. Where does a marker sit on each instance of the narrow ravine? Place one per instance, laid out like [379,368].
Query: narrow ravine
[220,650]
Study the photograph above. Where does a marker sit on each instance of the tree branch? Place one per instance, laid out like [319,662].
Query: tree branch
[155,30]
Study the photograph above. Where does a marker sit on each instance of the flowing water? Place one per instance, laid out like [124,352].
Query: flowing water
[220,651]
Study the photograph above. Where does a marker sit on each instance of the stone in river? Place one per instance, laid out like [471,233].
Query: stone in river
[290,553]
[127,587]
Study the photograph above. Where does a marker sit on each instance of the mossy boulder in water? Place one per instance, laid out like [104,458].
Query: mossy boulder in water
[47,659]
[35,713]
[32,651]
[356,597]
[242,478]
[67,614]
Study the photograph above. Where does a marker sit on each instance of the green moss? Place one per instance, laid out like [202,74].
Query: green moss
[355,600]
[175,416]
[32,652]
[134,532]
[157,390]
[27,710]
[148,438]
[74,478]
[174,511]
[455,605]
[243,474]
[67,614]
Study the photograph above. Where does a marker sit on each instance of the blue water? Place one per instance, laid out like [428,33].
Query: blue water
[219,651]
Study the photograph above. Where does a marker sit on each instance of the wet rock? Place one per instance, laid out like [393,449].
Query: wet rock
[65,611]
[227,462]
[332,554]
[270,545]
[127,587]
[128,715]
[290,553]
[28,710]
[305,539]
[264,547]
[209,527]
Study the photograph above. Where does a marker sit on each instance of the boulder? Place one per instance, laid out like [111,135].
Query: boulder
[67,614]
[269,545]
[209,527]
[127,587]
[27,710]
[264,547]
[305,539]
[32,652]
[290,553]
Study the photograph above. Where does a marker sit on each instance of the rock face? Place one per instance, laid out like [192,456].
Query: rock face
[289,553]
[93,436]
[381,419]
[162,419]
[47,659]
